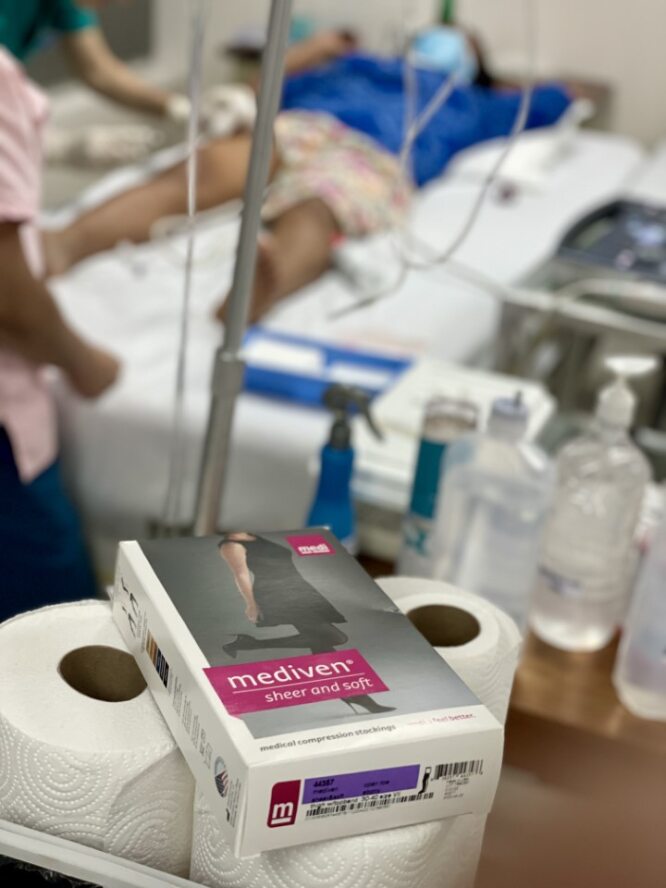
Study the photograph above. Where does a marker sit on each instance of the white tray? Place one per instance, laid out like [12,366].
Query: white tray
[79,862]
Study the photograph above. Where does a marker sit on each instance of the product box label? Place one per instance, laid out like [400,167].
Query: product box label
[296,681]
[366,783]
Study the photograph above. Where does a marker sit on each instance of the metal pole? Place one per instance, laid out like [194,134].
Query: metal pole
[229,367]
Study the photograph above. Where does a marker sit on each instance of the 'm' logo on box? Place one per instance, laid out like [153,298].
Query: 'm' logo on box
[310,545]
[284,804]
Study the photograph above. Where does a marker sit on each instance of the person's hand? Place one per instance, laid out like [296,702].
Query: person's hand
[93,372]
[252,612]
[228,109]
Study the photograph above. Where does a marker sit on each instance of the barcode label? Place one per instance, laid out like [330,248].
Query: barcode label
[459,769]
[367,804]
[158,659]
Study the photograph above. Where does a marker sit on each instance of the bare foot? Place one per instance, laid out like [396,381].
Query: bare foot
[56,255]
[266,284]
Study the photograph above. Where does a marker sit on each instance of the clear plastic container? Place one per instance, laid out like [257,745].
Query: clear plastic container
[446,420]
[640,670]
[495,497]
[586,568]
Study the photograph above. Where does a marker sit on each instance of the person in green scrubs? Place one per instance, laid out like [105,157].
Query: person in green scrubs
[27,25]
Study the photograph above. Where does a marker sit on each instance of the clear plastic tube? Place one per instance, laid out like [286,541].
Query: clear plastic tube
[406,244]
[172,504]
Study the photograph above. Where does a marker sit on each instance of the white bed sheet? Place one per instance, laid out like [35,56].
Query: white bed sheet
[116,451]
[649,185]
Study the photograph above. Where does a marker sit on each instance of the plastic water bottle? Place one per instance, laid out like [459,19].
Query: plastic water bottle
[640,670]
[584,576]
[496,492]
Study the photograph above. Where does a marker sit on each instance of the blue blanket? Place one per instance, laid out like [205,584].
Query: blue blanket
[367,94]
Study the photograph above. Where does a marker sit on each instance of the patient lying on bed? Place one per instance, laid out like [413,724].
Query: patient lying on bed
[335,171]
[327,181]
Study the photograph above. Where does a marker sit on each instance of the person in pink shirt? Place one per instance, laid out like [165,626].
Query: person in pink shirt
[42,555]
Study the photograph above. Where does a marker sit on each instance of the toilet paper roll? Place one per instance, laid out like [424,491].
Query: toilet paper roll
[482,645]
[442,854]
[478,640]
[84,752]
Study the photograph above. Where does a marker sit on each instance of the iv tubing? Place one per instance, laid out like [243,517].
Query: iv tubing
[172,505]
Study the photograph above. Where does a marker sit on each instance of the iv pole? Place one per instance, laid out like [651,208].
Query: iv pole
[229,367]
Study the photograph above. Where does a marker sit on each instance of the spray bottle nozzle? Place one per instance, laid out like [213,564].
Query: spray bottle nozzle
[344,401]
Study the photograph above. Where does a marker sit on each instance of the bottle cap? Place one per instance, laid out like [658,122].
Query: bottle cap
[617,402]
[509,418]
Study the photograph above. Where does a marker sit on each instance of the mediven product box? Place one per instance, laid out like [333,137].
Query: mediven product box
[306,704]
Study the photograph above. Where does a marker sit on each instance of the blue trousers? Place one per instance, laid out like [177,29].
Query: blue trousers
[43,559]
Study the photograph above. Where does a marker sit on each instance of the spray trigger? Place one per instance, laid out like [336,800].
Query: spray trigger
[344,401]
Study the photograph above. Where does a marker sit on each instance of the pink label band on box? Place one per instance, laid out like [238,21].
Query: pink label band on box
[296,681]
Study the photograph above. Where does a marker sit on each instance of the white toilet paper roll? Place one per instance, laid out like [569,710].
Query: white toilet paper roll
[84,752]
[475,638]
[444,854]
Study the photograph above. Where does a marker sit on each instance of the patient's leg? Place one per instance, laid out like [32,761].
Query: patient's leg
[295,252]
[223,167]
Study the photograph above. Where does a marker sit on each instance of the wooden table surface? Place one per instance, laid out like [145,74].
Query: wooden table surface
[567,726]
[576,690]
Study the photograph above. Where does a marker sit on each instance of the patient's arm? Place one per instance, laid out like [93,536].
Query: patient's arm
[223,166]
[306,55]
[318,50]
[32,326]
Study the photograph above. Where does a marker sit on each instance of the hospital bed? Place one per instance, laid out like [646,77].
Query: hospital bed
[116,450]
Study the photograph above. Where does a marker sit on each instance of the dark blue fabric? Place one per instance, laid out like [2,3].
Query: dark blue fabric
[367,94]
[42,554]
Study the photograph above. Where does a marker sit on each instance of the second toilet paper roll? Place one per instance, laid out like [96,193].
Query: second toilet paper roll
[478,640]
[84,752]
[443,854]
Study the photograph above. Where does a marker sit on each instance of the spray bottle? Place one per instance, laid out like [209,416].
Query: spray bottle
[333,506]
[585,572]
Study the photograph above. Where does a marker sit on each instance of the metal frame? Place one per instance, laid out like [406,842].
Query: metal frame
[532,319]
[229,366]
[567,310]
